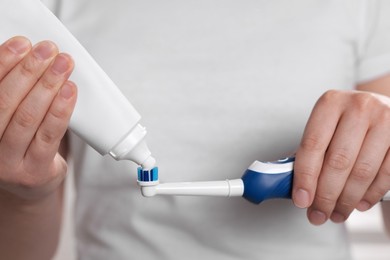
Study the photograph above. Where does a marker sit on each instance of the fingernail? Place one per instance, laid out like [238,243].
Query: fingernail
[317,217]
[44,50]
[18,45]
[67,91]
[337,217]
[301,198]
[61,64]
[363,205]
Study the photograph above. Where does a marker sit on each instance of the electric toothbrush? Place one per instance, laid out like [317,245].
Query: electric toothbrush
[261,181]
[108,122]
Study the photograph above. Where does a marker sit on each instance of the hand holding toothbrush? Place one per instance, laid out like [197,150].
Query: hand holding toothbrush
[343,161]
[334,171]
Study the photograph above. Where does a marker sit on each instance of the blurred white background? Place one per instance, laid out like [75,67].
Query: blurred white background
[369,240]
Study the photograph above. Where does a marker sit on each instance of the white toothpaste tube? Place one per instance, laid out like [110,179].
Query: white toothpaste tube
[103,117]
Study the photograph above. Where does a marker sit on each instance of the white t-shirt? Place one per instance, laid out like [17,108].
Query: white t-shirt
[219,84]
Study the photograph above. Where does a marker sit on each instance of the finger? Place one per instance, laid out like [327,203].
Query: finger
[369,160]
[339,160]
[45,144]
[379,187]
[33,108]
[11,52]
[310,154]
[19,81]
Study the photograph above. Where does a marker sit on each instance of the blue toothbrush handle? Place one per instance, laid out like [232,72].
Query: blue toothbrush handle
[268,180]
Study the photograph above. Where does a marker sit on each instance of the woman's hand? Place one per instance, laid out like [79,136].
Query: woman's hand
[343,161]
[36,102]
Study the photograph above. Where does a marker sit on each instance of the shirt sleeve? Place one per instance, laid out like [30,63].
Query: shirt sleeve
[374,49]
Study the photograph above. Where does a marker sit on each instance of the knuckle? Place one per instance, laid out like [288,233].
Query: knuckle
[28,70]
[5,102]
[362,101]
[47,84]
[376,194]
[25,117]
[385,172]
[312,143]
[306,173]
[48,137]
[3,65]
[384,117]
[330,96]
[345,205]
[363,172]
[324,199]
[338,160]
[59,113]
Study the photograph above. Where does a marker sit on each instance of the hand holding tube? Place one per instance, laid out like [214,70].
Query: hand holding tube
[36,101]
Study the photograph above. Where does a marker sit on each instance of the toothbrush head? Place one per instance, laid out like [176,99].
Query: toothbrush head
[148,177]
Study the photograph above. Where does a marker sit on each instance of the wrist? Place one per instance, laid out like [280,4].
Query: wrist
[13,202]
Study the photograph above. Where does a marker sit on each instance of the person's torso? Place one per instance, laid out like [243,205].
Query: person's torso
[219,84]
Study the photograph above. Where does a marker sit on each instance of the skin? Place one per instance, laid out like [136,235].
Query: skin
[341,164]
[34,115]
